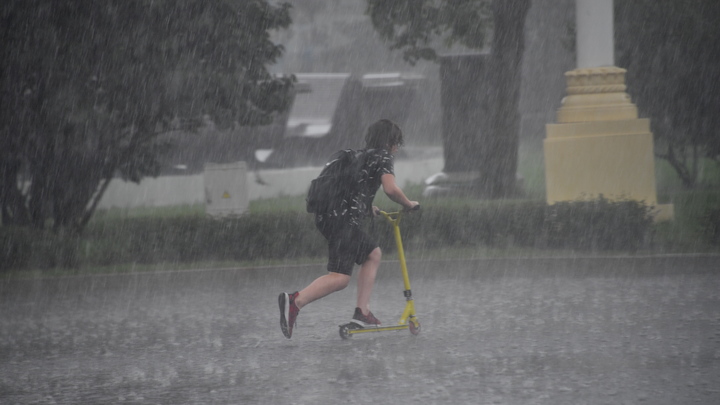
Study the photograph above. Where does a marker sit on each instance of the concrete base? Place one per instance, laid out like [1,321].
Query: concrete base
[612,158]
[599,145]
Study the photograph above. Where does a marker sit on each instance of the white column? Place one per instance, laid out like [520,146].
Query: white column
[594,26]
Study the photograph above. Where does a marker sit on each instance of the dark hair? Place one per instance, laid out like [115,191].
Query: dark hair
[383,134]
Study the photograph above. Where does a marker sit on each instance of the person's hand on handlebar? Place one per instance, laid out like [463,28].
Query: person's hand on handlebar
[415,206]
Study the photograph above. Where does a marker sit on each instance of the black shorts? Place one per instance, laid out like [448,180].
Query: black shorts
[347,244]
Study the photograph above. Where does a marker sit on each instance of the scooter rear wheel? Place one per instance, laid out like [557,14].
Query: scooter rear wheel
[345,330]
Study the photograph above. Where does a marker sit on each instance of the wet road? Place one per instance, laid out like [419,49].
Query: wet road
[504,331]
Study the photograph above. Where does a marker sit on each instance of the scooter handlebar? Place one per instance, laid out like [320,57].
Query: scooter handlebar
[397,213]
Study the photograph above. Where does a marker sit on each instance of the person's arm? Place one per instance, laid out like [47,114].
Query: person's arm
[395,193]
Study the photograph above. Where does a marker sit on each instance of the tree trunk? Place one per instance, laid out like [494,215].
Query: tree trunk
[466,111]
[480,99]
[508,44]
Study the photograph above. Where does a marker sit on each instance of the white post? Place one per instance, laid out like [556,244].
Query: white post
[594,26]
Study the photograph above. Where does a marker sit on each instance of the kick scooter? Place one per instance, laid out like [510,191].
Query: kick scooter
[408,320]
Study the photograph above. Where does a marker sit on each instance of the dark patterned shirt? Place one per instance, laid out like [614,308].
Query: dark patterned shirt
[376,162]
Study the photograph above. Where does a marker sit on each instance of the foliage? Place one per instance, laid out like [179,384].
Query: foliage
[195,238]
[413,26]
[15,248]
[671,50]
[89,89]
[597,226]
[692,227]
[712,225]
[24,247]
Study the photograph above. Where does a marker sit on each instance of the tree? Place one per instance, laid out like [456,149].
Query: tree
[671,50]
[414,26]
[89,88]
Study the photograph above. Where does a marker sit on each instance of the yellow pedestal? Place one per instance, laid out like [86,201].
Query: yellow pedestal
[599,145]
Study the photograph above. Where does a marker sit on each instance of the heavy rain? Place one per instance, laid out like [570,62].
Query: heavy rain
[156,156]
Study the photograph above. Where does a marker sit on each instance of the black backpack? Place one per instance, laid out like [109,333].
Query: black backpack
[339,180]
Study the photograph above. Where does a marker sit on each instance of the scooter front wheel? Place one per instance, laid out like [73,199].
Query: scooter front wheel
[414,327]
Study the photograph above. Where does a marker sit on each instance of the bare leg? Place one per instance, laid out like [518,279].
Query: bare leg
[321,287]
[366,279]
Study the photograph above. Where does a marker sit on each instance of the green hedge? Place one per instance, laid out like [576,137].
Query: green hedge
[197,238]
[600,225]
[22,248]
[711,230]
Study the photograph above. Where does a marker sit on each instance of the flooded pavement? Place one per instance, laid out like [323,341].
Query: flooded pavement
[494,331]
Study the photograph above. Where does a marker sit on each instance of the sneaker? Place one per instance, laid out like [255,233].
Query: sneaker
[364,320]
[288,312]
